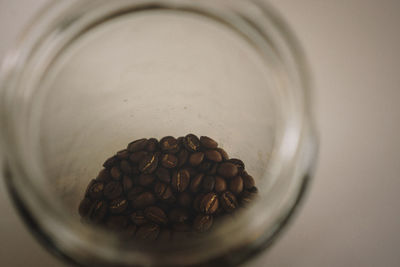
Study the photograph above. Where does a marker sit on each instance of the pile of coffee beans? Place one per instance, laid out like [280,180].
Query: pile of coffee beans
[156,190]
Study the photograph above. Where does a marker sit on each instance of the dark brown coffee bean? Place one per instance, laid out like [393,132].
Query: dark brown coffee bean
[156,215]
[178,215]
[137,145]
[117,223]
[196,158]
[103,176]
[253,190]
[89,187]
[223,153]
[197,201]
[143,200]
[213,155]
[113,190]
[110,162]
[208,143]
[183,156]
[213,169]
[228,201]
[220,184]
[248,180]
[180,180]
[164,236]
[236,185]
[146,179]
[195,185]
[136,157]
[118,205]
[163,175]
[96,189]
[115,173]
[202,223]
[98,211]
[239,164]
[163,191]
[192,171]
[125,167]
[205,166]
[123,154]
[135,169]
[185,199]
[209,203]
[135,191]
[127,183]
[149,163]
[85,206]
[208,184]
[169,144]
[191,142]
[148,232]
[152,145]
[227,169]
[169,161]
[138,217]
[247,197]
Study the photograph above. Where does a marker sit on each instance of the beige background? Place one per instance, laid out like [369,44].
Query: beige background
[351,216]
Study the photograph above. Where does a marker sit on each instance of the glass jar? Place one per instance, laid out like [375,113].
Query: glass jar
[90,76]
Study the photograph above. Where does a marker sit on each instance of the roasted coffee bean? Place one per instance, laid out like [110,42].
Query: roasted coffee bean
[239,164]
[192,171]
[248,180]
[196,158]
[115,173]
[164,236]
[89,187]
[146,179]
[118,205]
[228,201]
[152,145]
[185,199]
[208,143]
[149,163]
[163,191]
[135,191]
[125,167]
[196,182]
[127,183]
[236,185]
[156,215]
[163,175]
[103,176]
[123,154]
[253,190]
[205,166]
[85,206]
[148,232]
[137,145]
[98,211]
[117,223]
[96,189]
[135,169]
[169,161]
[110,162]
[227,169]
[213,155]
[138,217]
[202,223]
[208,184]
[209,203]
[183,156]
[197,202]
[169,144]
[143,200]
[220,184]
[213,169]
[136,157]
[223,153]
[247,197]
[113,190]
[180,180]
[191,142]
[178,215]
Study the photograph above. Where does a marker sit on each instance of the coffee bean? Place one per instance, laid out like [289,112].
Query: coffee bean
[195,185]
[152,145]
[196,158]
[146,179]
[178,215]
[85,206]
[236,185]
[156,215]
[185,199]
[103,176]
[197,202]
[169,161]
[113,190]
[213,169]
[202,223]
[183,155]
[116,223]
[163,174]
[248,180]
[138,217]
[227,169]
[192,171]
[163,191]
[123,154]
[208,143]
[135,169]
[143,200]
[213,155]
[136,157]
[149,163]
[239,164]
[247,197]
[148,232]
[228,201]
[110,162]
[135,191]
[164,236]
[169,144]
[191,142]
[125,167]
[98,211]
[209,203]
[127,183]
[220,184]
[96,190]
[205,166]
[115,173]
[208,184]
[137,145]
[180,180]
[118,205]
[253,190]
[223,153]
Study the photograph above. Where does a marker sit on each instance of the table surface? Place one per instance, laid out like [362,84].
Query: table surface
[351,215]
